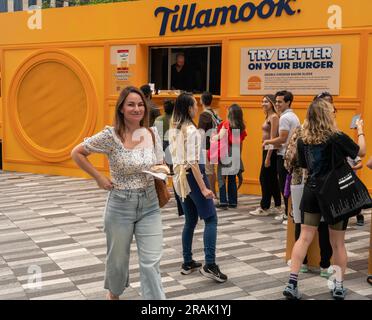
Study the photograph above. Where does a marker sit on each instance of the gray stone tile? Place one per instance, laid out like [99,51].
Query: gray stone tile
[57,223]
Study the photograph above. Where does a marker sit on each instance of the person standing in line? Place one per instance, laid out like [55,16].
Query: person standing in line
[355,164]
[288,121]
[369,166]
[132,206]
[268,174]
[192,186]
[299,176]
[154,111]
[229,138]
[162,125]
[319,138]
[208,121]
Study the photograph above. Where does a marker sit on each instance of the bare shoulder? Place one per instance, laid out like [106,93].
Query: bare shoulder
[274,118]
[369,163]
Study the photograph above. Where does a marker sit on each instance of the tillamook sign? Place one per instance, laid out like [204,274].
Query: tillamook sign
[188,17]
[304,70]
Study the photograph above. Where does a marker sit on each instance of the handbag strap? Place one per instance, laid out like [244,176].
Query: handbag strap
[334,143]
[333,153]
[153,142]
[214,117]
[152,136]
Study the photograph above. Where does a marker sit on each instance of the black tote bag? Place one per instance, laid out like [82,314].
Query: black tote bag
[342,194]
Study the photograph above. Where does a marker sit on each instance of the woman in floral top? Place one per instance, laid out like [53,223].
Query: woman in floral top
[132,206]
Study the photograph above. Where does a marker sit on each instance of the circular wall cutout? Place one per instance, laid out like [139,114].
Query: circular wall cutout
[52,105]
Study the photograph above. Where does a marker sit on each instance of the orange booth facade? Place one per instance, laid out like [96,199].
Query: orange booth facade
[60,83]
[62,69]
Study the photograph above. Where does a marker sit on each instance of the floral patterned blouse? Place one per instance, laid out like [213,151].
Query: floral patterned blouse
[126,165]
[299,175]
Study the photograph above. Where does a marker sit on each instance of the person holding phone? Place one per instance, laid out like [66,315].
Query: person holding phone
[355,164]
[314,149]
[354,120]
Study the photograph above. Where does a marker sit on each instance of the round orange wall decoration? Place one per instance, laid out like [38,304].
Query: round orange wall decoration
[47,89]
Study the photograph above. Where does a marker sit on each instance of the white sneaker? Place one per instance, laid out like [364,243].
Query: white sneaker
[276,210]
[259,212]
[285,222]
[281,217]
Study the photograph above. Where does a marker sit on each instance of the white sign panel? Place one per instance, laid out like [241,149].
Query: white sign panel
[303,70]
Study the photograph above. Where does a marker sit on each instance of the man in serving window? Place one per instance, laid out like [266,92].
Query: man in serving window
[181,75]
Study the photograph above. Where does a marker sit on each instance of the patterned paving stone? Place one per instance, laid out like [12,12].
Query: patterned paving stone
[54,224]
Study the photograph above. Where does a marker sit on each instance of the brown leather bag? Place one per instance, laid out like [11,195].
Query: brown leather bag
[160,185]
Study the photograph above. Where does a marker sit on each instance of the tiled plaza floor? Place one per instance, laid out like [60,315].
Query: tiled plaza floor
[54,224]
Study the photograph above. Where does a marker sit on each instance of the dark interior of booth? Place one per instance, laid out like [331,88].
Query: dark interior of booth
[196,61]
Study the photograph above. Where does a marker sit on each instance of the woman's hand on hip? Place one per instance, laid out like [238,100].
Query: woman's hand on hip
[104,183]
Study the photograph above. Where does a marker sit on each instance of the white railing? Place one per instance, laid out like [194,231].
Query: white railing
[25,4]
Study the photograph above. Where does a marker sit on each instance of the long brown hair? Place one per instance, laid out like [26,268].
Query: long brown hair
[271,99]
[119,123]
[319,124]
[235,117]
[181,112]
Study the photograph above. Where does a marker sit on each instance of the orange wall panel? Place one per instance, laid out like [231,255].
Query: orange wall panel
[136,20]
[87,33]
[367,116]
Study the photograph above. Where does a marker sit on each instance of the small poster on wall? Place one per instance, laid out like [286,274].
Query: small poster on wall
[122,61]
[303,70]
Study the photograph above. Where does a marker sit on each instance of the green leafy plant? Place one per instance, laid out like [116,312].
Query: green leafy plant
[46,3]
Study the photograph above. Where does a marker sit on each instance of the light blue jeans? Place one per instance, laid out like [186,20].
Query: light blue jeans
[128,213]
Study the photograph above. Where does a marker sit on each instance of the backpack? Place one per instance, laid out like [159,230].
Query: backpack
[215,118]
[218,149]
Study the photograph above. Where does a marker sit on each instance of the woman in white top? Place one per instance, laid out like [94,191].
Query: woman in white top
[132,206]
[192,186]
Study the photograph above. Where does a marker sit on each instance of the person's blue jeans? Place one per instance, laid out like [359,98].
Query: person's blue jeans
[231,198]
[128,213]
[210,233]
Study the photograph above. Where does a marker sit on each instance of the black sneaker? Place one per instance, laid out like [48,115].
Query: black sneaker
[233,206]
[212,271]
[360,220]
[222,206]
[338,293]
[187,268]
[291,292]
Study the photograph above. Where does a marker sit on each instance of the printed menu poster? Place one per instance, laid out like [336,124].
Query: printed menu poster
[122,60]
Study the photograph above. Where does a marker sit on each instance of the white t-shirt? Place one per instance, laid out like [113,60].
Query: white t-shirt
[288,121]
